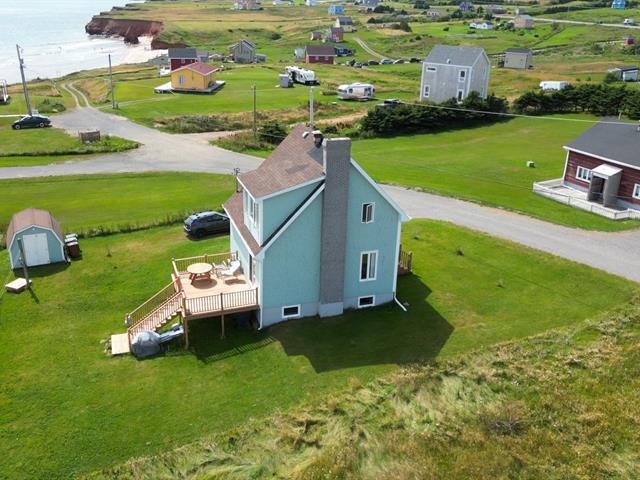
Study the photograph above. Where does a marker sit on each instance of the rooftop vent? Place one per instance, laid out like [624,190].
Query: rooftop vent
[317,138]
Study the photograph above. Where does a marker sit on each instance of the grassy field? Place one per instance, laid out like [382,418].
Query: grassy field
[107,410]
[49,145]
[108,202]
[39,92]
[485,164]
[558,405]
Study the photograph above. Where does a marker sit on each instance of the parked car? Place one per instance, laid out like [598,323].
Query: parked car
[390,102]
[31,121]
[203,223]
[399,61]
[357,65]
[414,60]
[372,62]
[385,61]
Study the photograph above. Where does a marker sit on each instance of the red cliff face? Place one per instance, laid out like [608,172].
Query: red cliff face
[130,30]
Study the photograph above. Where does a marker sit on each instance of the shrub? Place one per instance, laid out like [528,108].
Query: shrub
[272,132]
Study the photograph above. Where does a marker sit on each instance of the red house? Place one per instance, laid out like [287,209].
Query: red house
[180,57]
[604,162]
[320,54]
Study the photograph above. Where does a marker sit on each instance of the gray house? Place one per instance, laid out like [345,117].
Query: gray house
[243,52]
[41,237]
[454,72]
[520,58]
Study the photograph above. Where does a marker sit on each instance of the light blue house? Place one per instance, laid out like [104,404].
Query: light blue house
[313,232]
[618,4]
[336,9]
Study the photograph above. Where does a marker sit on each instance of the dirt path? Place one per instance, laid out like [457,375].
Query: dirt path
[367,48]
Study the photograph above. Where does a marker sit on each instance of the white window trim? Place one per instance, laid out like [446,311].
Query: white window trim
[636,191]
[432,69]
[460,98]
[462,75]
[427,91]
[297,315]
[373,212]
[589,175]
[375,270]
[373,304]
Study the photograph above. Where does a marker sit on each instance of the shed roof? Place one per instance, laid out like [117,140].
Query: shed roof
[323,50]
[447,54]
[32,217]
[182,53]
[345,20]
[199,67]
[296,161]
[611,139]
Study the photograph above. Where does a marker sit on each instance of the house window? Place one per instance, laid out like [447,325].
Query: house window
[181,79]
[252,269]
[431,69]
[460,96]
[291,311]
[368,301]
[636,191]
[583,174]
[368,266]
[462,74]
[367,212]
[426,91]
[252,209]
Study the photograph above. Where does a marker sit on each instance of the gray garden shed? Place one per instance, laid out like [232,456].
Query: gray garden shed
[41,236]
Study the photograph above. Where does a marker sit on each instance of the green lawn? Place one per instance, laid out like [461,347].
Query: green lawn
[485,164]
[110,202]
[40,146]
[67,408]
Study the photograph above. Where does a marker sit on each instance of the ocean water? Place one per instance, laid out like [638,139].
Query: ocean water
[52,37]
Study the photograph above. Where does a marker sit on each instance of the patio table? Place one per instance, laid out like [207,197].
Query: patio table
[199,270]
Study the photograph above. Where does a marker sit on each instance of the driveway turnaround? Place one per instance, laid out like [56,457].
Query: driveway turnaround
[160,151]
[617,253]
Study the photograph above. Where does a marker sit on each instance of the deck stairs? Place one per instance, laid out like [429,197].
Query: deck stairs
[158,317]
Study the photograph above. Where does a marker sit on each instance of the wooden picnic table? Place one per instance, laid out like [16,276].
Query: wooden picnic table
[199,270]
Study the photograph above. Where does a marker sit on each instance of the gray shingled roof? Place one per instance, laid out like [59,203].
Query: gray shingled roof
[296,161]
[620,143]
[518,50]
[182,53]
[322,50]
[445,54]
[345,20]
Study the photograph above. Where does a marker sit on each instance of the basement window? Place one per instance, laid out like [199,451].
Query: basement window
[291,311]
[367,212]
[366,302]
[583,174]
[636,191]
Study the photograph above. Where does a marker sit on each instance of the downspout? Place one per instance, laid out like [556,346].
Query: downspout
[395,299]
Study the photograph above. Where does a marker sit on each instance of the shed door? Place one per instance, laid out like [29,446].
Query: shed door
[36,249]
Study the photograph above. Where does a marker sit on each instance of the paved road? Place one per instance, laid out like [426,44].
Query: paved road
[617,253]
[159,151]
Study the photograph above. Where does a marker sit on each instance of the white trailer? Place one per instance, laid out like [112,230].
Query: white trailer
[4,92]
[357,91]
[553,85]
[301,75]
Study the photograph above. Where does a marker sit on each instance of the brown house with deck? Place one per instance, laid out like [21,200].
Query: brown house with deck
[604,163]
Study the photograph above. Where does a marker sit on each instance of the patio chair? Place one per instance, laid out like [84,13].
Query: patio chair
[220,267]
[231,271]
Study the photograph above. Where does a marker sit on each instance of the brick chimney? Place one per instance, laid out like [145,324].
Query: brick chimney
[337,165]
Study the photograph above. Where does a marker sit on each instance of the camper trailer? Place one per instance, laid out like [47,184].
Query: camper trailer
[302,75]
[553,85]
[4,93]
[357,91]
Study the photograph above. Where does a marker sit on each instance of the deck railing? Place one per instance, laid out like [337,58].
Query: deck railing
[222,302]
[181,264]
[150,305]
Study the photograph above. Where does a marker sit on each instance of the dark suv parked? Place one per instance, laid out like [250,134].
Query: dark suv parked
[31,121]
[203,223]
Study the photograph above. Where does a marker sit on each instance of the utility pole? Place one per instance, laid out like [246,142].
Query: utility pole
[114,105]
[24,81]
[255,114]
[311,112]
